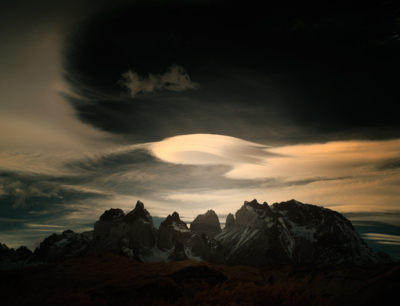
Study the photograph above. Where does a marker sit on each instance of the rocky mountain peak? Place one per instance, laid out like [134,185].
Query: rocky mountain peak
[113,214]
[254,204]
[68,234]
[207,223]
[230,221]
[138,213]
[293,231]
[175,217]
[3,247]
[139,204]
[253,214]
[174,221]
[172,230]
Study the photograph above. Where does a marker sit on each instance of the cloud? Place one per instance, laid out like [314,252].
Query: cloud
[175,79]
[293,163]
[329,160]
[344,176]
[24,190]
[44,226]
[33,113]
[207,149]
[383,238]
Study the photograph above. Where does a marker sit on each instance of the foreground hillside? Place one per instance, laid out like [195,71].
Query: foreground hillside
[109,279]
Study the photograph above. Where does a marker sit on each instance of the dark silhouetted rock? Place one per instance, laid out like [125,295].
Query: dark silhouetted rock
[112,214]
[230,221]
[207,223]
[59,247]
[172,231]
[293,232]
[199,247]
[178,254]
[138,213]
[132,234]
[11,259]
[23,253]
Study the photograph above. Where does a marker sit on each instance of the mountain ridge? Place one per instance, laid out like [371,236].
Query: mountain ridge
[258,234]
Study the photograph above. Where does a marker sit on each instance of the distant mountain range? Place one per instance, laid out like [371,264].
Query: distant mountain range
[258,234]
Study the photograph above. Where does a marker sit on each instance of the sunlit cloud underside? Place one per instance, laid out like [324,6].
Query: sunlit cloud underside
[345,175]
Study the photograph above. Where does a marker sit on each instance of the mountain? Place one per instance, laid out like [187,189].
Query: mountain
[10,258]
[59,247]
[292,232]
[132,234]
[207,223]
[258,234]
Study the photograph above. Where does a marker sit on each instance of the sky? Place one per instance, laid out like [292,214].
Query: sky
[196,105]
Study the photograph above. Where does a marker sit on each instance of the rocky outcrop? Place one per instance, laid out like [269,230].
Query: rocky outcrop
[207,223]
[109,224]
[199,247]
[11,258]
[206,249]
[138,213]
[172,231]
[217,251]
[178,254]
[59,247]
[230,221]
[293,232]
[253,214]
[132,234]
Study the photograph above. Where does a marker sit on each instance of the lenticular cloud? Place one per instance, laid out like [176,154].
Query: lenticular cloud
[206,149]
[333,160]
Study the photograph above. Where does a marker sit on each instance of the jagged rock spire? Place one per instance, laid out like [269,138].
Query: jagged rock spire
[207,223]
[230,221]
[138,212]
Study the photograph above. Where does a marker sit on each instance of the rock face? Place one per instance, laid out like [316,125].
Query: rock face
[11,258]
[207,223]
[59,247]
[259,234]
[172,231]
[132,234]
[230,221]
[292,232]
[178,254]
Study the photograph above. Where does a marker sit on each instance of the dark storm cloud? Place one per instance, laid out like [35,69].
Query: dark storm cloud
[328,74]
[29,190]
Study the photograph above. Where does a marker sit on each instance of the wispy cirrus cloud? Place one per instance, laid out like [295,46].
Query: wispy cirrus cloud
[383,238]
